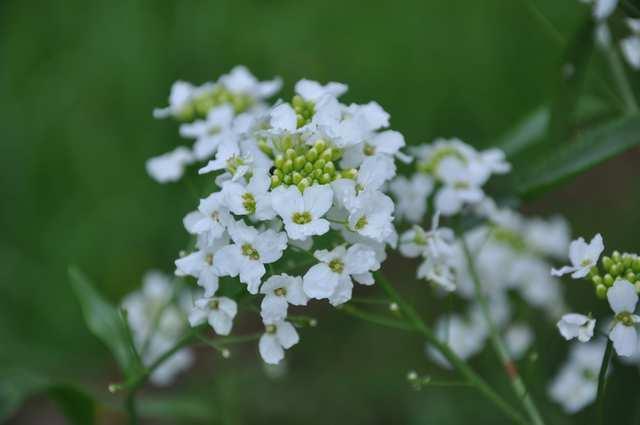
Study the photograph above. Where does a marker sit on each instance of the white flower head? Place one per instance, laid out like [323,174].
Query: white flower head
[313,91]
[280,291]
[210,219]
[583,257]
[200,264]
[219,312]
[211,132]
[462,186]
[623,299]
[240,81]
[371,215]
[179,101]
[170,166]
[331,278]
[411,196]
[578,326]
[251,199]
[278,336]
[302,212]
[250,251]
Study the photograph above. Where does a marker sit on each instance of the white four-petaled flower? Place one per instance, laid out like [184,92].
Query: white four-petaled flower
[623,298]
[583,257]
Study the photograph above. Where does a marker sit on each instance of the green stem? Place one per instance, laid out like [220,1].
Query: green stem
[456,362]
[621,80]
[499,347]
[130,407]
[602,380]
[376,319]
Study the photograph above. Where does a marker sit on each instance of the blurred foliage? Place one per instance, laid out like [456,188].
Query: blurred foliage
[78,82]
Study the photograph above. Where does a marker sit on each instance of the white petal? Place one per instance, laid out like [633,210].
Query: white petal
[562,271]
[220,322]
[270,349]
[228,306]
[625,339]
[273,308]
[604,8]
[319,281]
[364,278]
[343,291]
[318,200]
[283,117]
[287,334]
[622,296]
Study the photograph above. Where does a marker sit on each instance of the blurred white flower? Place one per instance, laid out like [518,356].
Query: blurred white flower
[170,166]
[583,257]
[578,326]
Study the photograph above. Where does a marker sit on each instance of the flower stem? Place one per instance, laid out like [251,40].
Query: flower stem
[460,365]
[499,347]
[376,319]
[602,380]
[621,80]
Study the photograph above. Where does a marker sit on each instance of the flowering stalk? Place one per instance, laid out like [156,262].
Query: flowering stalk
[460,365]
[602,380]
[499,347]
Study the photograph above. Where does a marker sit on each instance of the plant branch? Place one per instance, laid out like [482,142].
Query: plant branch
[602,381]
[375,318]
[498,345]
[460,365]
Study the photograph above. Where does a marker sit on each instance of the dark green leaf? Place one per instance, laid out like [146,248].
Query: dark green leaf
[588,150]
[107,323]
[17,386]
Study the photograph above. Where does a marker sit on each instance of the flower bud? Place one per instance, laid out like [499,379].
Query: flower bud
[319,164]
[308,168]
[608,279]
[296,177]
[631,277]
[287,166]
[303,184]
[299,162]
[636,265]
[290,154]
[329,168]
[351,173]
[312,154]
[320,145]
[279,161]
[601,291]
[287,179]
[325,178]
[597,280]
[327,155]
[264,147]
[616,256]
[275,181]
[607,263]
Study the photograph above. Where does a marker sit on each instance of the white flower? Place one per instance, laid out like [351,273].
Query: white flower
[210,218]
[313,91]
[348,126]
[248,254]
[602,9]
[439,271]
[218,311]
[253,199]
[575,325]
[241,81]
[462,185]
[209,133]
[518,339]
[170,166]
[623,298]
[387,143]
[631,45]
[302,212]
[280,291]
[371,215]
[437,242]
[179,101]
[411,196]
[200,264]
[332,277]
[550,237]
[583,257]
[278,336]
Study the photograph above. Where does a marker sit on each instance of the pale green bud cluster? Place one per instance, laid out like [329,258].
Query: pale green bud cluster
[210,99]
[302,165]
[509,237]
[617,266]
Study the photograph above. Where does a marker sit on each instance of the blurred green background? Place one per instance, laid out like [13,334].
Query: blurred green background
[78,81]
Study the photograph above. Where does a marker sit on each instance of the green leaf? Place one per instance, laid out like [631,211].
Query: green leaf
[107,323]
[588,150]
[17,386]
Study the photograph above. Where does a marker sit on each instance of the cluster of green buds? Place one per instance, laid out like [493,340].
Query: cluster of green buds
[617,266]
[209,99]
[509,237]
[297,163]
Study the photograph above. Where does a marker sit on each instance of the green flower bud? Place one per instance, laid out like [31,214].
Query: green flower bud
[315,182]
[608,279]
[303,184]
[264,147]
[616,256]
[597,280]
[317,173]
[297,102]
[312,154]
[351,173]
[287,179]
[186,114]
[631,277]
[275,181]
[636,265]
[287,166]
[319,164]
[299,162]
[627,261]
[329,168]
[286,143]
[320,145]
[327,155]
[279,161]
[308,168]
[637,285]
[607,263]
[615,270]
[296,177]
[325,178]
[601,291]
[290,154]
[337,154]
[278,172]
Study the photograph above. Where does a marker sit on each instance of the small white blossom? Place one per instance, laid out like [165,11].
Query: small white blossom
[248,254]
[313,91]
[200,264]
[253,199]
[332,277]
[219,312]
[170,166]
[209,133]
[302,212]
[583,257]
[575,325]
[623,299]
[371,215]
[179,100]
[210,218]
[411,196]
[280,291]
[278,336]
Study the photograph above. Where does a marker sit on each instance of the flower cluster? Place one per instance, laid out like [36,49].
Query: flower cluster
[305,177]
[157,317]
[450,170]
[616,278]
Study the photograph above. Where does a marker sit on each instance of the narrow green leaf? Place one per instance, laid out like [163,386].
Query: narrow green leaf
[107,323]
[588,150]
[17,386]
[526,132]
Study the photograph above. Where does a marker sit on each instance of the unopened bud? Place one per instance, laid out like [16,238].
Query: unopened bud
[601,291]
